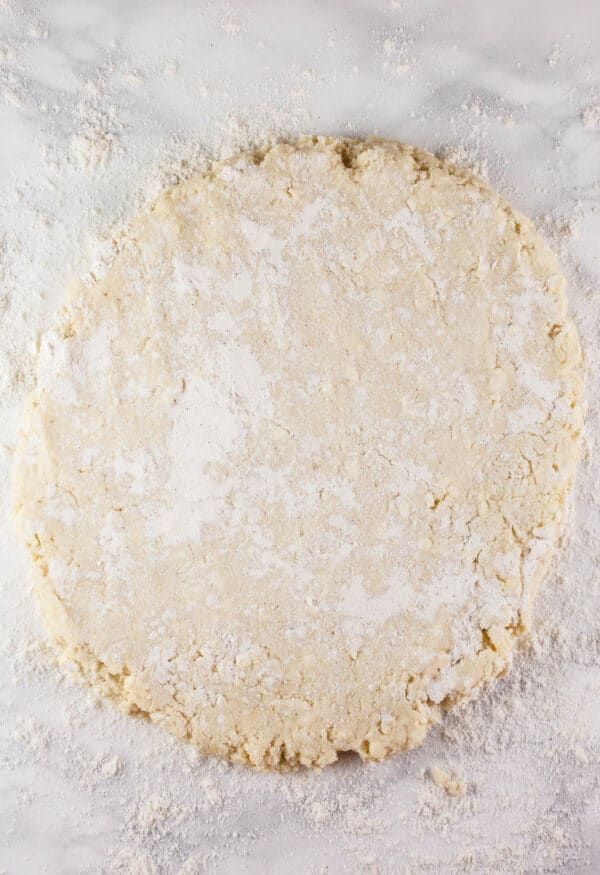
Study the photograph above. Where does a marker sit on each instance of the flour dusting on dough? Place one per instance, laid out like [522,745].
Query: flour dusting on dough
[299,459]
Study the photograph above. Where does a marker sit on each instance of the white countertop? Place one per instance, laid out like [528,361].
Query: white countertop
[97,100]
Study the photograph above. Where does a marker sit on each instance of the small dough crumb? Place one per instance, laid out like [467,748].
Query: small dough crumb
[452,784]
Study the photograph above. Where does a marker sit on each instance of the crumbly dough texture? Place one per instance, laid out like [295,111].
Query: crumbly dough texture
[294,468]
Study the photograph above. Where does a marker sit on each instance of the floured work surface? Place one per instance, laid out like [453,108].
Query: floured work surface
[293,471]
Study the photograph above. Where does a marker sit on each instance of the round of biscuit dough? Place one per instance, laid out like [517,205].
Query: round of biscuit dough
[294,468]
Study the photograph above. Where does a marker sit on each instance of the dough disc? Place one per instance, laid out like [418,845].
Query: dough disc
[293,470]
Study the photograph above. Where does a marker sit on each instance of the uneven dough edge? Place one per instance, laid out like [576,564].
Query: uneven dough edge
[279,752]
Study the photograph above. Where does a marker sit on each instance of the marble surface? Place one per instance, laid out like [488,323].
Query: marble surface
[97,100]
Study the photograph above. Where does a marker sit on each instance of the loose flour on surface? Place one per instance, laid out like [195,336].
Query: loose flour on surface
[527,749]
